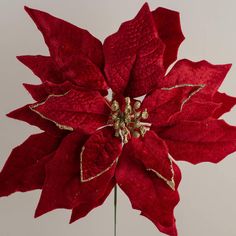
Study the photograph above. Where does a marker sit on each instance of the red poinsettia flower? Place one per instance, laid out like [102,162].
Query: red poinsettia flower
[91,143]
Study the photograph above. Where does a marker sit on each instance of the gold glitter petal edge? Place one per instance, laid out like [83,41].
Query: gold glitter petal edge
[200,87]
[82,179]
[171,182]
[60,126]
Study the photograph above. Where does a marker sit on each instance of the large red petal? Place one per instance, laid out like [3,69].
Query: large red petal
[100,152]
[148,193]
[84,208]
[63,187]
[226,103]
[134,56]
[66,40]
[75,109]
[201,73]
[169,30]
[25,167]
[43,67]
[26,114]
[162,103]
[152,152]
[205,141]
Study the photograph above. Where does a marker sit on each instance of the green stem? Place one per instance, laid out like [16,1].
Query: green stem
[115,208]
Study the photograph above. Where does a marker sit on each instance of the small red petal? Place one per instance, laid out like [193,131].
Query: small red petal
[26,114]
[65,40]
[162,103]
[80,72]
[134,56]
[226,103]
[148,193]
[204,141]
[169,30]
[83,73]
[195,111]
[152,152]
[100,153]
[43,67]
[75,109]
[202,72]
[25,167]
[42,91]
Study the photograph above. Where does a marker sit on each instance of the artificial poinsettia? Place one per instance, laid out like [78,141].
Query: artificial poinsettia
[91,143]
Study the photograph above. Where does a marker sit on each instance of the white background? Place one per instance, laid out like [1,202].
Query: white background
[208,192]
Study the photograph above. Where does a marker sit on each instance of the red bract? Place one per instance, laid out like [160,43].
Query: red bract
[90,143]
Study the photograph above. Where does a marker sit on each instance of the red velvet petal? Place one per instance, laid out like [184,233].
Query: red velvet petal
[25,167]
[99,154]
[63,187]
[148,193]
[195,111]
[226,102]
[134,56]
[162,103]
[195,142]
[188,72]
[26,114]
[79,72]
[43,67]
[152,152]
[62,175]
[75,109]
[66,40]
[42,91]
[169,30]
[85,207]
[83,73]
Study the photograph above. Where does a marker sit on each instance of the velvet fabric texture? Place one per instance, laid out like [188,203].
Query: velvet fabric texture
[77,160]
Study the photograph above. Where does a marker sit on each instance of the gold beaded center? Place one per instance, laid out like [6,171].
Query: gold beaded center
[129,123]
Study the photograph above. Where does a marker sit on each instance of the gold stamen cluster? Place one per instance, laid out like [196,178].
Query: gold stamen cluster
[128,123]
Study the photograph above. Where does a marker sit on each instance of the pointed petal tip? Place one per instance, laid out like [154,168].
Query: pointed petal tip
[22,59]
[36,215]
[228,66]
[32,12]
[39,212]
[27,9]
[10,114]
[27,86]
[145,5]
[72,220]
[19,58]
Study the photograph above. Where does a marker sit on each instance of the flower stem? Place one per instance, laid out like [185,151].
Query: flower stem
[115,208]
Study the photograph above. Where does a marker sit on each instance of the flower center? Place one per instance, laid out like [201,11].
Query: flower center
[128,122]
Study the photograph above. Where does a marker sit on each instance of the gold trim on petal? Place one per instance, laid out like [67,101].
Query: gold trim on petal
[200,87]
[60,126]
[171,182]
[82,179]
